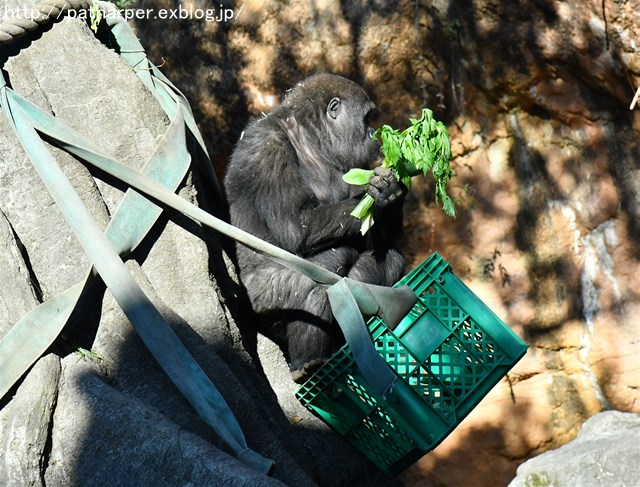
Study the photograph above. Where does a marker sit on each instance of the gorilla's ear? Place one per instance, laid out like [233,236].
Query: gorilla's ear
[333,107]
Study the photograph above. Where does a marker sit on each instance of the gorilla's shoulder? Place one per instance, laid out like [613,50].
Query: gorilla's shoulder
[263,142]
[266,129]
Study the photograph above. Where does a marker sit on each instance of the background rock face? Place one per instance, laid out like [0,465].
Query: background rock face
[536,97]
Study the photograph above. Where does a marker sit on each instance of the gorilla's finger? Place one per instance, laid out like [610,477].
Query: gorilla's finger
[382,171]
[379,183]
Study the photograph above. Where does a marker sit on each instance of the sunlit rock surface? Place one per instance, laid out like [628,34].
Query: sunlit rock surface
[536,98]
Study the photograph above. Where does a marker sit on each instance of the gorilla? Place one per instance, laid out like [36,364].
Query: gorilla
[284,184]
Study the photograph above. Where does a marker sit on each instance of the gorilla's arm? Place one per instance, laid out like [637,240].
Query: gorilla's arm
[327,225]
[270,198]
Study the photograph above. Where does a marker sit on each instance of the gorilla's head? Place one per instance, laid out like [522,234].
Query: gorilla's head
[332,116]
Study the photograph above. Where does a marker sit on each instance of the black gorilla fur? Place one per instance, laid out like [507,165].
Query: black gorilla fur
[284,184]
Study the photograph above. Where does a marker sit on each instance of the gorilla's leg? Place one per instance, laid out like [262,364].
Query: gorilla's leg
[385,271]
[307,339]
[312,340]
[294,308]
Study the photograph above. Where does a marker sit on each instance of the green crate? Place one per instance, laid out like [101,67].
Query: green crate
[448,351]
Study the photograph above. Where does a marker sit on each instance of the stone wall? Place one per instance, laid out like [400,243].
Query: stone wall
[536,98]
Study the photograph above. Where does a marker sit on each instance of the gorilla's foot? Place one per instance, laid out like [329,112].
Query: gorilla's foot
[307,370]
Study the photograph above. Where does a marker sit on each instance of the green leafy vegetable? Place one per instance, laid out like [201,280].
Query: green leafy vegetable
[364,211]
[359,177]
[419,149]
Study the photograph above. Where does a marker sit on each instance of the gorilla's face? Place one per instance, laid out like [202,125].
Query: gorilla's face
[352,136]
[327,119]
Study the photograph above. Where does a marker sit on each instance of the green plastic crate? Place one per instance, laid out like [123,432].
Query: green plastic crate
[449,351]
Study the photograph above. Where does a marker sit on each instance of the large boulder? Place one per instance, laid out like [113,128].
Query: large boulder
[98,409]
[605,452]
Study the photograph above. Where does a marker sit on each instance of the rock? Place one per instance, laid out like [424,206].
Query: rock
[25,426]
[606,452]
[128,364]
[102,436]
[19,295]
[85,100]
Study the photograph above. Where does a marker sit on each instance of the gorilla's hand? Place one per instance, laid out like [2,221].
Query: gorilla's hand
[385,188]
